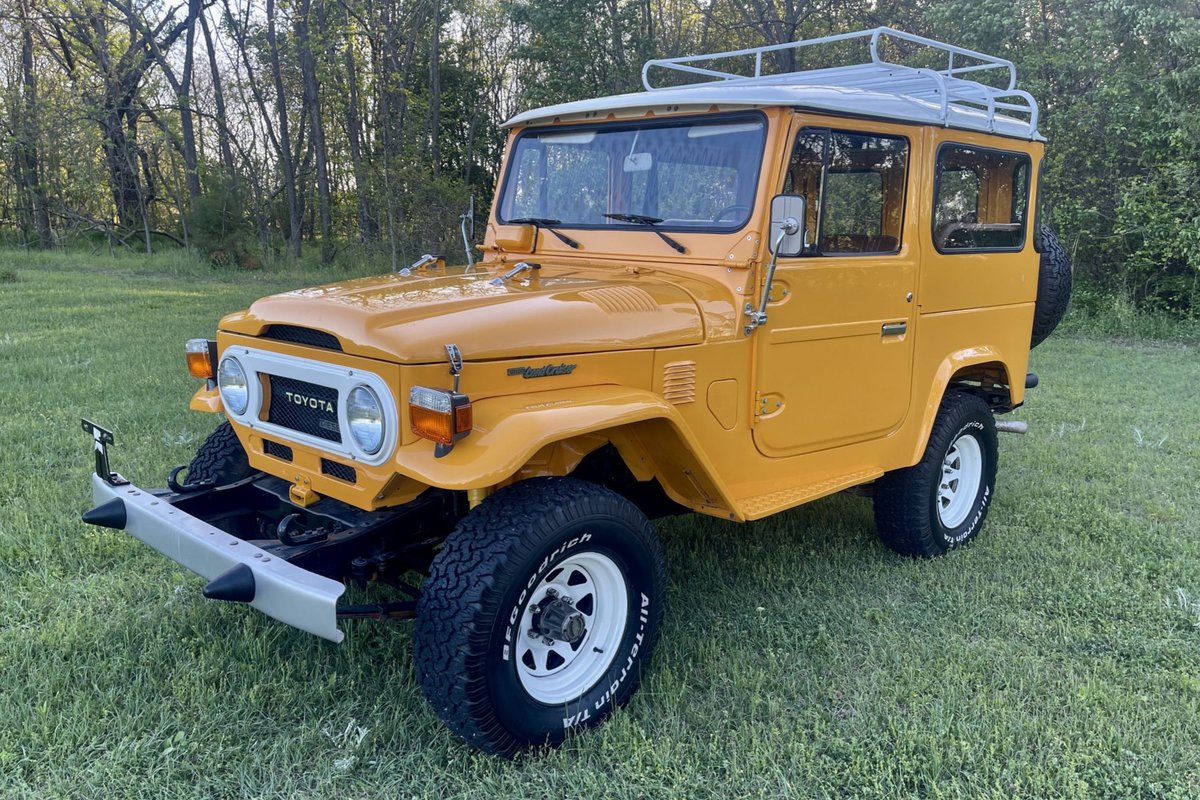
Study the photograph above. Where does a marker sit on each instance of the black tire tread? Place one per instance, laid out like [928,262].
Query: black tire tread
[220,460]
[1054,287]
[902,515]
[460,598]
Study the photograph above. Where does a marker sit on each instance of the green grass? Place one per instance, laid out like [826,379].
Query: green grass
[1059,656]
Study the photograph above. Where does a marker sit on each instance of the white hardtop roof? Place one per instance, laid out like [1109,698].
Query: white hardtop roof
[876,89]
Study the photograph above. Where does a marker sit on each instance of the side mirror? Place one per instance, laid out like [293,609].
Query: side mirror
[788,215]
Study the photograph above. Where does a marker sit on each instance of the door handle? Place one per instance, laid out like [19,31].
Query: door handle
[894,328]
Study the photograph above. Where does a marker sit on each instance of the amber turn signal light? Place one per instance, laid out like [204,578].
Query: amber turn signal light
[201,358]
[440,415]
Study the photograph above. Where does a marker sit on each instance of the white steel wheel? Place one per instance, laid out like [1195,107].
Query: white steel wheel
[940,502]
[571,628]
[962,472]
[555,559]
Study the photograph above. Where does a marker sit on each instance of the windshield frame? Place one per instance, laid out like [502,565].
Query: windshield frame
[621,126]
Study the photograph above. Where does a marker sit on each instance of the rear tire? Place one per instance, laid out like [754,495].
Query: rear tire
[940,503]
[547,553]
[220,460]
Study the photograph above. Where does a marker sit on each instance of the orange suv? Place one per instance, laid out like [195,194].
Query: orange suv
[729,296]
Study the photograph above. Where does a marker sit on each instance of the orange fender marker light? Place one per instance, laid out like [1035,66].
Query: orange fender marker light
[440,415]
[201,358]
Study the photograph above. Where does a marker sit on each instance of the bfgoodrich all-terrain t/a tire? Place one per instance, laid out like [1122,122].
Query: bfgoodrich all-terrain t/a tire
[941,502]
[539,614]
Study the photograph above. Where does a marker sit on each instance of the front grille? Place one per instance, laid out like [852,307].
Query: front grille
[298,335]
[281,451]
[340,471]
[304,407]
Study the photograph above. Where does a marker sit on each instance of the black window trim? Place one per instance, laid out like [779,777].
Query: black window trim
[816,241]
[937,185]
[663,122]
[1038,245]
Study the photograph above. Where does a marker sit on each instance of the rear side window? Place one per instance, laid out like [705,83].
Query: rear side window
[854,183]
[981,198]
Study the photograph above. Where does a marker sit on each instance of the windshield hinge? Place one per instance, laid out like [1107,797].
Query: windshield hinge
[744,254]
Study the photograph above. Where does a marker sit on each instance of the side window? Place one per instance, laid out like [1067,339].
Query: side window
[980,199]
[855,185]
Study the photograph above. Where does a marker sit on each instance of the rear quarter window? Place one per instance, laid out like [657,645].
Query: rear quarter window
[981,197]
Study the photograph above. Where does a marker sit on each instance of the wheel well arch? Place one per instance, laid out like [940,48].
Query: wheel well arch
[982,372]
[991,381]
[651,463]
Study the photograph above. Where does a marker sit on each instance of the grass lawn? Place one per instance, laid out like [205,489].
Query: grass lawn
[1058,656]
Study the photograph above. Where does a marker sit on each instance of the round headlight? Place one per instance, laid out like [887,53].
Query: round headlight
[231,379]
[365,417]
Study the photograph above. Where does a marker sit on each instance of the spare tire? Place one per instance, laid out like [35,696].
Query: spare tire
[1053,289]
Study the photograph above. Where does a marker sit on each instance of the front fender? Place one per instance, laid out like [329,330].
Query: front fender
[510,429]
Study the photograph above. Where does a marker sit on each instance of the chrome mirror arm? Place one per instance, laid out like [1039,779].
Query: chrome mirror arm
[759,316]
[463,220]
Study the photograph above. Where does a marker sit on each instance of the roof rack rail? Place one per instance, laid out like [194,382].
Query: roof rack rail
[945,88]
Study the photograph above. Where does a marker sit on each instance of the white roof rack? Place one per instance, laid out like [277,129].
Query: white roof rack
[877,88]
[945,88]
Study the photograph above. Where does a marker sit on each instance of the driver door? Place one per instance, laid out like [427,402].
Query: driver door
[835,358]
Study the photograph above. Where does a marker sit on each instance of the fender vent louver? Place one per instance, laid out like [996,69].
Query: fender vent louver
[679,382]
[306,336]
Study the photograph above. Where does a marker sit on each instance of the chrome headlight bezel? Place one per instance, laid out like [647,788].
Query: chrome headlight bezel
[234,385]
[366,418]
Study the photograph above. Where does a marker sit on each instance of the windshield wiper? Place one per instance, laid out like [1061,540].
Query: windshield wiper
[649,222]
[548,224]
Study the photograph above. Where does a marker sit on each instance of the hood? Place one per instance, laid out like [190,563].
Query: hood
[410,319]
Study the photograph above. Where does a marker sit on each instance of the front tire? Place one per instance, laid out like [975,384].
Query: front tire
[221,460]
[940,503]
[570,561]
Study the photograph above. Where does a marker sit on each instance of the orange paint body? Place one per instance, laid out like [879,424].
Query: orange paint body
[626,341]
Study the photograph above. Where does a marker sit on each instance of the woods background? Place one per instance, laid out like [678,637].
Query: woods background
[340,131]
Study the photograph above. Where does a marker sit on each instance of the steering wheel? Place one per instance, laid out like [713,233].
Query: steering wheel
[728,209]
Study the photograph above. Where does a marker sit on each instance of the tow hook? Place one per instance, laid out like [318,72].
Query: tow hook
[183,488]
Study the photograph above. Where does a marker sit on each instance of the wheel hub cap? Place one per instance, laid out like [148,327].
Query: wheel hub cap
[559,620]
[962,472]
[572,628]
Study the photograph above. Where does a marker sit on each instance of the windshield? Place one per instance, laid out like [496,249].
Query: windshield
[684,175]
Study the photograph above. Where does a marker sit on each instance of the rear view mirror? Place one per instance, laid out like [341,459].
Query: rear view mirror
[787,225]
[638,162]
